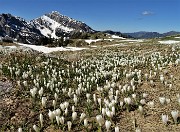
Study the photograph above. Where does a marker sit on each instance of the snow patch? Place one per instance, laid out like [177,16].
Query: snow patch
[89,41]
[169,42]
[49,50]
[115,36]
[133,40]
[177,37]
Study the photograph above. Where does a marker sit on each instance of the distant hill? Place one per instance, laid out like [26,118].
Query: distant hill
[146,35]
[117,33]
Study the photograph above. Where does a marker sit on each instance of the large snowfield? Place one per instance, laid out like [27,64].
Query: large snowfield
[49,50]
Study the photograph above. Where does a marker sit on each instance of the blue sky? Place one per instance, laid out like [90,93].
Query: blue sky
[117,15]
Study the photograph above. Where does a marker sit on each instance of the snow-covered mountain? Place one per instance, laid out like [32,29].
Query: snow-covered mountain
[52,25]
[56,25]
[18,28]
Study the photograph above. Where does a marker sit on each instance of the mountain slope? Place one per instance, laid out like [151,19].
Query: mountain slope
[18,28]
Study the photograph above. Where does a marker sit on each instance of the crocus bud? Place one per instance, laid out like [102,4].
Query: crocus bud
[103,111]
[41,92]
[113,110]
[57,119]
[94,98]
[85,122]
[74,115]
[19,129]
[83,115]
[73,108]
[88,95]
[140,109]
[66,111]
[56,96]
[116,129]
[35,128]
[61,120]
[99,101]
[43,101]
[69,123]
[75,100]
[41,120]
[54,103]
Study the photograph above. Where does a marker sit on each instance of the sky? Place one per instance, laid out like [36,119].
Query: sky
[117,15]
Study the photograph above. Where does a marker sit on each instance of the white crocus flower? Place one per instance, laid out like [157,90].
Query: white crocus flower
[165,119]
[162,100]
[121,103]
[33,92]
[100,120]
[151,104]
[51,115]
[62,106]
[143,101]
[175,114]
[107,125]
[58,112]
[168,101]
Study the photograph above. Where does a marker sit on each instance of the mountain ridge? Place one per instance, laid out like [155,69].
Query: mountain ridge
[148,35]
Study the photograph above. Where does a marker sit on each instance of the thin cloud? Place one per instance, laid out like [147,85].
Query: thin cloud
[147,13]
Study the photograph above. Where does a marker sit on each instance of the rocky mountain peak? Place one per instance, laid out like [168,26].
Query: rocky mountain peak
[56,25]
